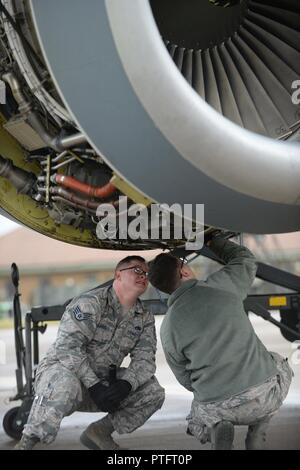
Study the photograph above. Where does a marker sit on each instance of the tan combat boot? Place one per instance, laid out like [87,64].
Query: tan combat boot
[97,436]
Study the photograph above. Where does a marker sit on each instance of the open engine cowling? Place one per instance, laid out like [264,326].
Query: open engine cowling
[187,101]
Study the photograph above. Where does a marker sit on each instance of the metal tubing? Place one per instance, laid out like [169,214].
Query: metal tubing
[59,144]
[35,344]
[28,355]
[20,179]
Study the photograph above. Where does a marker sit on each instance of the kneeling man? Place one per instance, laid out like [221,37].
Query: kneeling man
[97,331]
[213,350]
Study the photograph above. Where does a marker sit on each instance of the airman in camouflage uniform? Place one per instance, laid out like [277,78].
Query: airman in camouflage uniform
[94,334]
[213,350]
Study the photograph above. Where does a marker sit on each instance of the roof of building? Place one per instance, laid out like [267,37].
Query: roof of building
[33,251]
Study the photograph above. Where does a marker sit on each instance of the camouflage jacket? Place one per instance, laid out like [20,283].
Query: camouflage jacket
[93,334]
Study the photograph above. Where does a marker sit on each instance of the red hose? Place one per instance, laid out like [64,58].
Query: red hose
[91,191]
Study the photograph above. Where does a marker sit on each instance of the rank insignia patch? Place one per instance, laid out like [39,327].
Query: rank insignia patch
[79,315]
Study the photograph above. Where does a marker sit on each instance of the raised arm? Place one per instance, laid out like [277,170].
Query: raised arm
[240,270]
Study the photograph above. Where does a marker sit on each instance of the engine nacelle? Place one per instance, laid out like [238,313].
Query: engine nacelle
[183,102]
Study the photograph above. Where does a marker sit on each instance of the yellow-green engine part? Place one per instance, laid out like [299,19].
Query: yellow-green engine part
[25,210]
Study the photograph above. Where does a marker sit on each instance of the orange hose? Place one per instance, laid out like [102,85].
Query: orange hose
[91,191]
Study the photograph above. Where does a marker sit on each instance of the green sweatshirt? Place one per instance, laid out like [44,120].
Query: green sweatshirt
[208,340]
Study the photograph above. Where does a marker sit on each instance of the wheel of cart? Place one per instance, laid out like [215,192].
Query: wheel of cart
[15,420]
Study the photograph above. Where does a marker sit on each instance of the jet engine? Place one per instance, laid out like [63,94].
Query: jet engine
[165,101]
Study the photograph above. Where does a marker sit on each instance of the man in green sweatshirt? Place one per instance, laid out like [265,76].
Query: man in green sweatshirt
[213,351]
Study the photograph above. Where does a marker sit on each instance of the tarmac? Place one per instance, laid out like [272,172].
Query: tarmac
[166,429]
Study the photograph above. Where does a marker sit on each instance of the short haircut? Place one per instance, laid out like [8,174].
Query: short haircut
[164,273]
[128,260]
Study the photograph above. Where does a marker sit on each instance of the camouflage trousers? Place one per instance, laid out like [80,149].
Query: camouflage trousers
[59,393]
[256,405]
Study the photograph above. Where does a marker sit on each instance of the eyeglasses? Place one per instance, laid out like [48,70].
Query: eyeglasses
[136,270]
[183,262]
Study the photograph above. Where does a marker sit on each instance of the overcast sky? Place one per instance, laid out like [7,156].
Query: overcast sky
[7,225]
